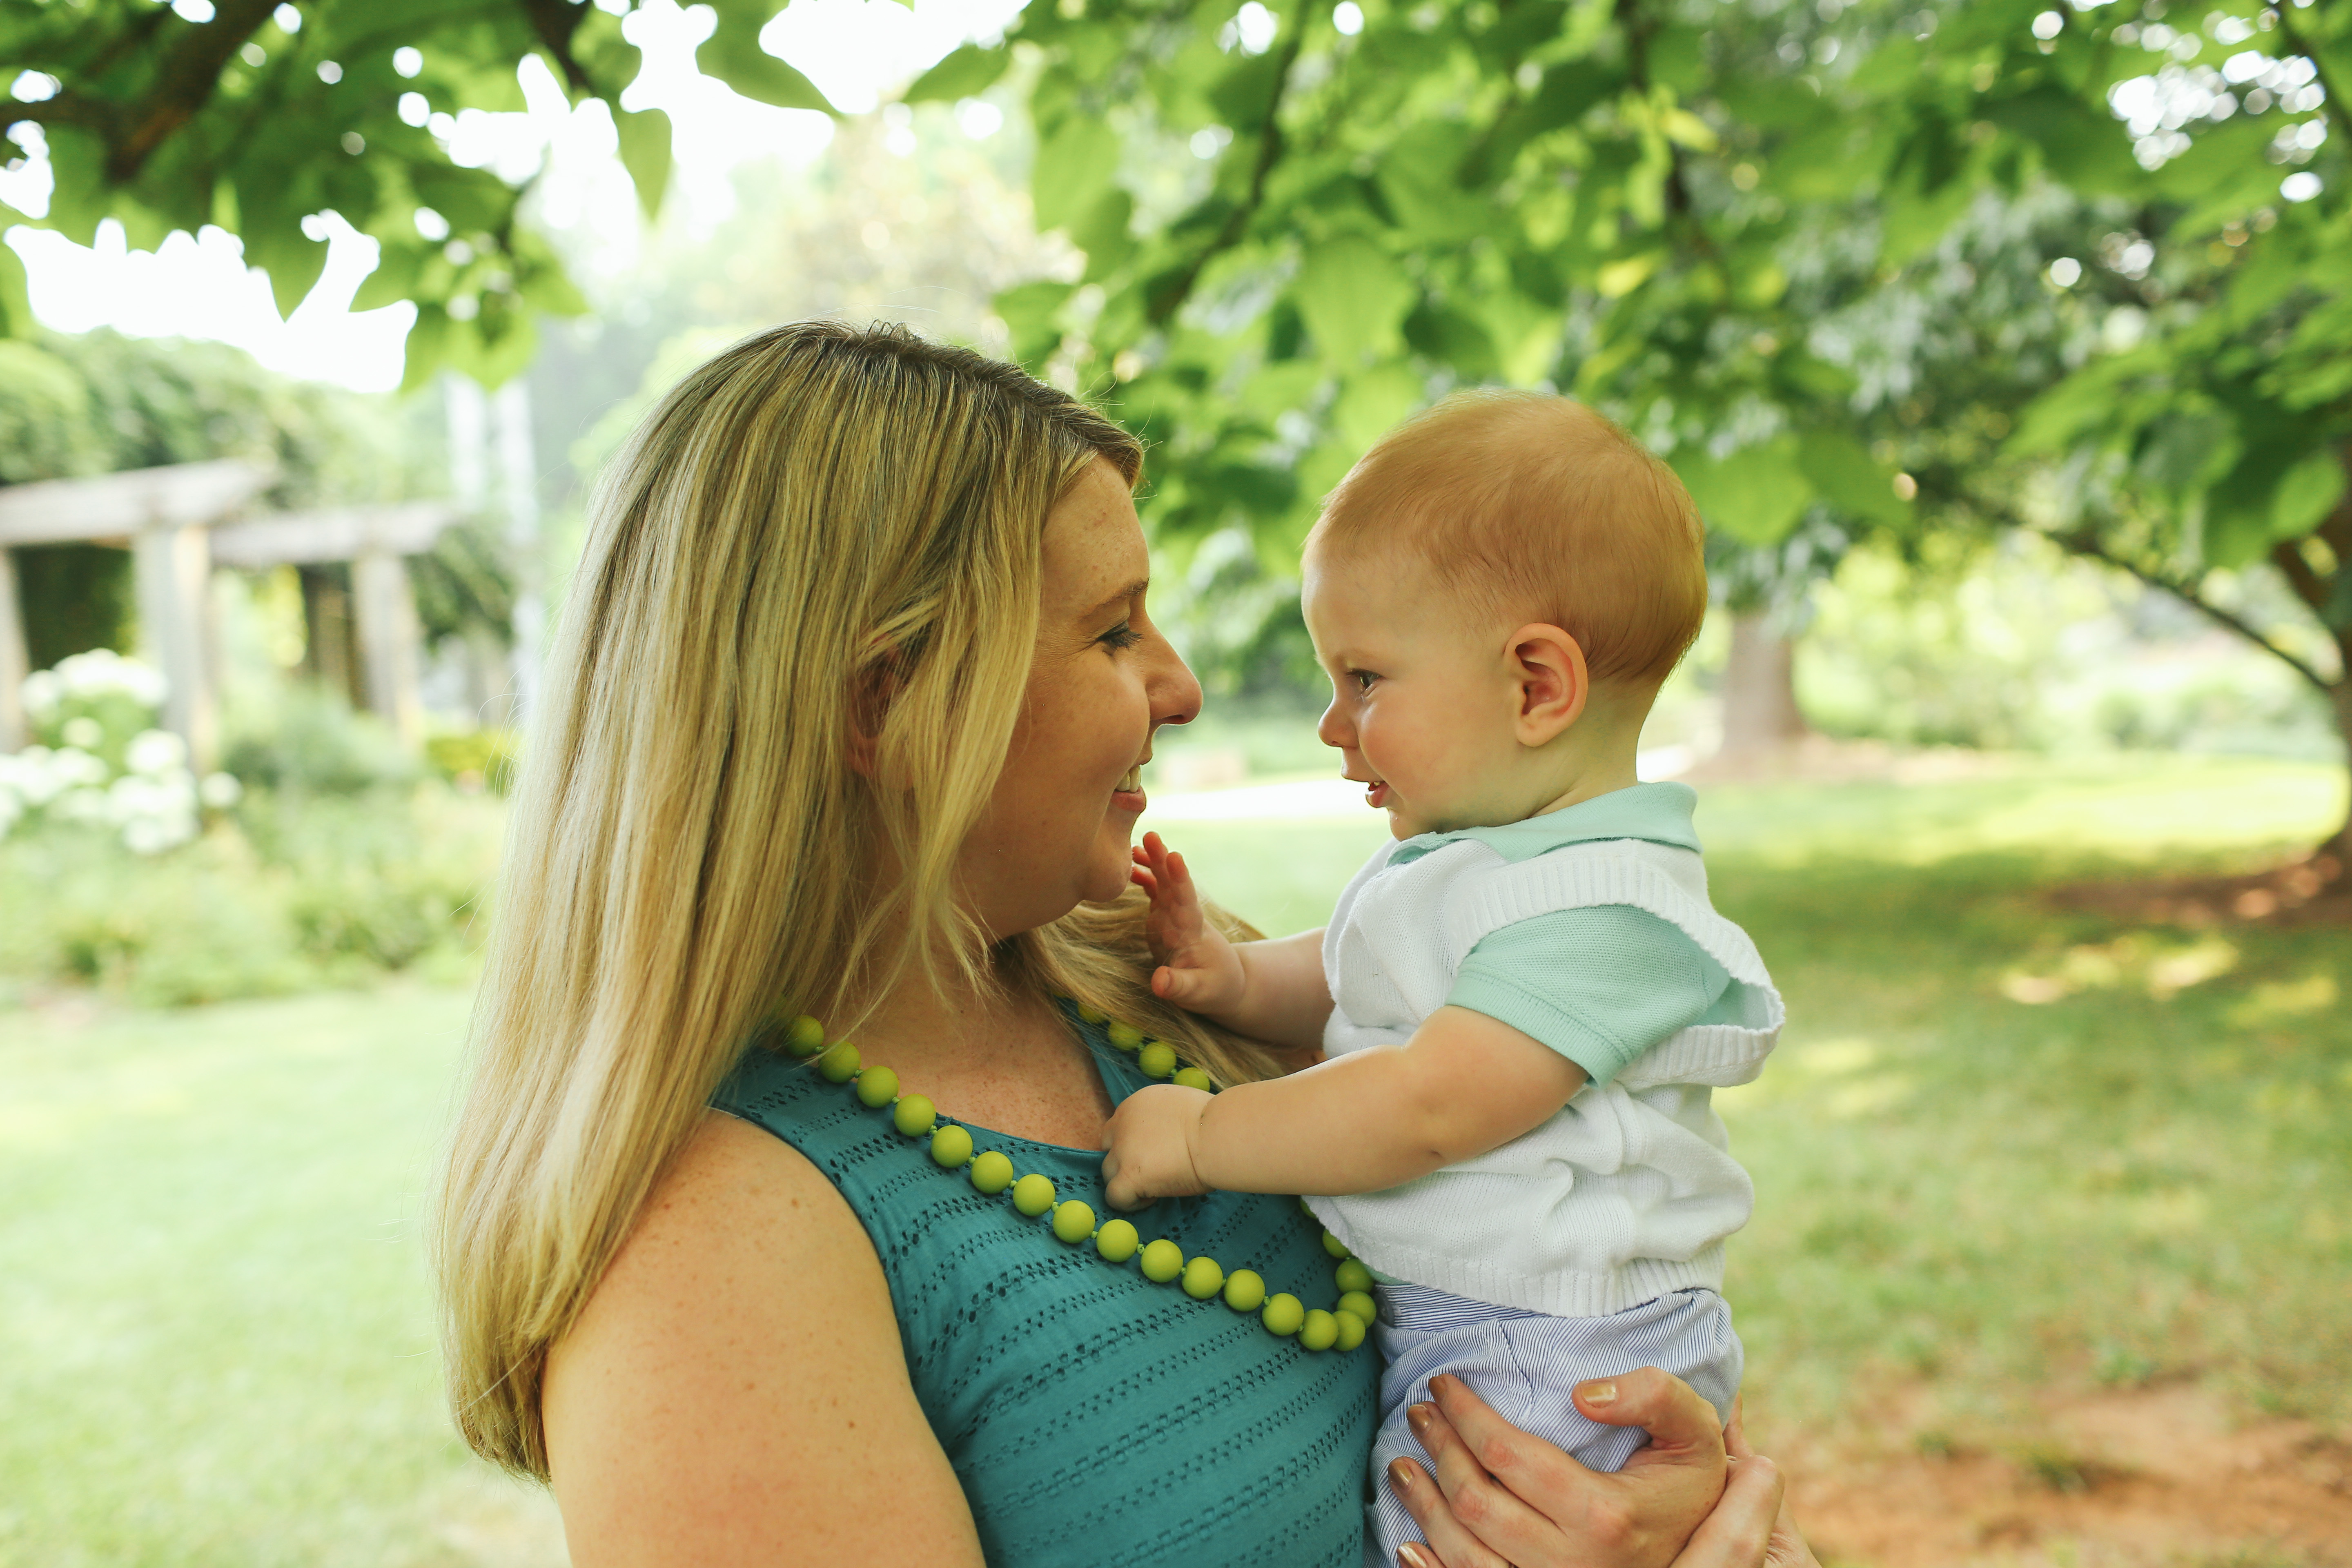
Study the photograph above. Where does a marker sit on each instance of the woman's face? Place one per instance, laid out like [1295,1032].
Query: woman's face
[1057,828]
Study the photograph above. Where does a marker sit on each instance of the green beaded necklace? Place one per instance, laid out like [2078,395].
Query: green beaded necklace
[1116,1241]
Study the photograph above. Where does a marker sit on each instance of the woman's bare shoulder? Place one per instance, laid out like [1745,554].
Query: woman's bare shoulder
[736,1381]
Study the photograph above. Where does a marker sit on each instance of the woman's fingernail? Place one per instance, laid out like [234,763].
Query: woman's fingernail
[1417,1416]
[1599,1393]
[1413,1556]
[1402,1475]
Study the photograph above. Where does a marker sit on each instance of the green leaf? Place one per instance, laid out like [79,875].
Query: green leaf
[1756,495]
[1074,166]
[965,73]
[1371,402]
[394,277]
[1838,465]
[2306,493]
[292,258]
[1353,296]
[1031,311]
[645,152]
[1421,177]
[733,54]
[15,304]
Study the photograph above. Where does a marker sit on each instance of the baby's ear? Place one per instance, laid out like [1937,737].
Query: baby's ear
[1548,665]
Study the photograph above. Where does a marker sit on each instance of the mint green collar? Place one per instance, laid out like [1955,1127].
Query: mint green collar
[1659,813]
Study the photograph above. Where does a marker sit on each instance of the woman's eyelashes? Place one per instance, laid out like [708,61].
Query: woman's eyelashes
[1120,636]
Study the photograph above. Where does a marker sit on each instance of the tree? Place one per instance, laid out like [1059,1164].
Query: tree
[1658,205]
[264,115]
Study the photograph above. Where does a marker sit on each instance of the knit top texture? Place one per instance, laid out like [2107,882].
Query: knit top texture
[1095,1419]
[1628,1192]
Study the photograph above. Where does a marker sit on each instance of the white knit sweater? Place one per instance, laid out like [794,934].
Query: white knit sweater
[1627,1192]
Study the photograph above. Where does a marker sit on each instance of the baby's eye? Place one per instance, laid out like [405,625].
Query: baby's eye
[1363,679]
[1122,635]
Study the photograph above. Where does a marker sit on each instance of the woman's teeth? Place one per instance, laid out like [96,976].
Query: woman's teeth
[1133,780]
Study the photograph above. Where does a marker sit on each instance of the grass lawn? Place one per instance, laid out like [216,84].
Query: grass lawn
[219,1349]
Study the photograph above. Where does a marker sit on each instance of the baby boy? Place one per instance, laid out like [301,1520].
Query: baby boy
[1525,999]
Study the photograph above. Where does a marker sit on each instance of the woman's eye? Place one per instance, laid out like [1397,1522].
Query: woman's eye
[1122,635]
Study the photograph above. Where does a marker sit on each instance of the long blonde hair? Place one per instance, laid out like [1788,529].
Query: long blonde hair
[816,509]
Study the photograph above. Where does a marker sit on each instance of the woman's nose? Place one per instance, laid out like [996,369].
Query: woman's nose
[1175,690]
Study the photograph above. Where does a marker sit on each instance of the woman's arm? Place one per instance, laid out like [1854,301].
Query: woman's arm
[1697,1497]
[735,1391]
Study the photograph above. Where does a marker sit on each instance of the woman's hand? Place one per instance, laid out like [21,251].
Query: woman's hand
[1695,1497]
[1198,968]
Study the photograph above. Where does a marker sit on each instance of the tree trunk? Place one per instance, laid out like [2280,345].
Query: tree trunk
[2338,847]
[1759,690]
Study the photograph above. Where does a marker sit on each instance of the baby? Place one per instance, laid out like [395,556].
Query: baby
[1525,1000]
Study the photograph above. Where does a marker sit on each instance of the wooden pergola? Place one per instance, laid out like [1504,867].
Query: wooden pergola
[181,521]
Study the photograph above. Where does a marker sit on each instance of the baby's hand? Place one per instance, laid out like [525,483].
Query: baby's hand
[1198,968]
[1149,1139]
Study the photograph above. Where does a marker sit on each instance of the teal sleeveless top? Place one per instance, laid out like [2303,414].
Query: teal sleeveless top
[1095,1419]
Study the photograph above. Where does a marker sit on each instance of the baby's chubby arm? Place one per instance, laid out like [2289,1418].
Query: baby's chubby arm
[1272,991]
[1371,1119]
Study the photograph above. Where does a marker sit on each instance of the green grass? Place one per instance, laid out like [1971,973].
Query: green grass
[213,1309]
[219,1349]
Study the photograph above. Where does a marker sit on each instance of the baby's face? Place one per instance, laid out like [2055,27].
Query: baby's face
[1422,701]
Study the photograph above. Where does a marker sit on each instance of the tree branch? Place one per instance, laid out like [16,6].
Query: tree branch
[2082,543]
[186,80]
[556,21]
[1167,301]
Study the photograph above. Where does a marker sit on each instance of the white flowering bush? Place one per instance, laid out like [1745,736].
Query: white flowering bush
[102,763]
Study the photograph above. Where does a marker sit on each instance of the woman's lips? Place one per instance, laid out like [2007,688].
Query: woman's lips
[1130,795]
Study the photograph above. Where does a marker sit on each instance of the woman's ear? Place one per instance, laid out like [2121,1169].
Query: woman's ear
[1548,665]
[871,690]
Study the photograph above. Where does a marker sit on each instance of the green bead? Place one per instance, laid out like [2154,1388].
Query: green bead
[1073,1222]
[1245,1290]
[1357,1303]
[805,1037]
[1193,1078]
[951,1146]
[1033,1194]
[1157,1059]
[1125,1037]
[915,1115]
[1204,1279]
[1116,1241]
[1334,1245]
[1353,1275]
[1351,1330]
[839,1065]
[1320,1331]
[875,1086]
[1162,1261]
[1283,1315]
[991,1173]
[1093,1015]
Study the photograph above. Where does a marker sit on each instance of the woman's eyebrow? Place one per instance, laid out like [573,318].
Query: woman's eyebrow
[1121,597]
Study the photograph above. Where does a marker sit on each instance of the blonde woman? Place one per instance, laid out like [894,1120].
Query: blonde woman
[844,720]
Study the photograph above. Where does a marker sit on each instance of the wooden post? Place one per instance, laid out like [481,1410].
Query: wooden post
[173,570]
[16,661]
[1759,690]
[384,605]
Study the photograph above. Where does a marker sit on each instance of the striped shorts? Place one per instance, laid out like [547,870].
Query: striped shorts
[1525,1364]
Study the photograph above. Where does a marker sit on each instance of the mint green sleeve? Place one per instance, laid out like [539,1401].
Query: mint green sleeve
[1598,985]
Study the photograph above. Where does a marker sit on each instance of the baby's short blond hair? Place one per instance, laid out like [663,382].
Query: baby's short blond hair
[1531,507]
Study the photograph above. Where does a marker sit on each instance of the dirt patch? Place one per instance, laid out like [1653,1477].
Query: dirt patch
[2159,1477]
[2307,889]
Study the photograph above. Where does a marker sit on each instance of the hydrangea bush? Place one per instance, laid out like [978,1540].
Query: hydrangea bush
[101,762]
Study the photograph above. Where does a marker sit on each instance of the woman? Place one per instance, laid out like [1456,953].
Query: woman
[845,718]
